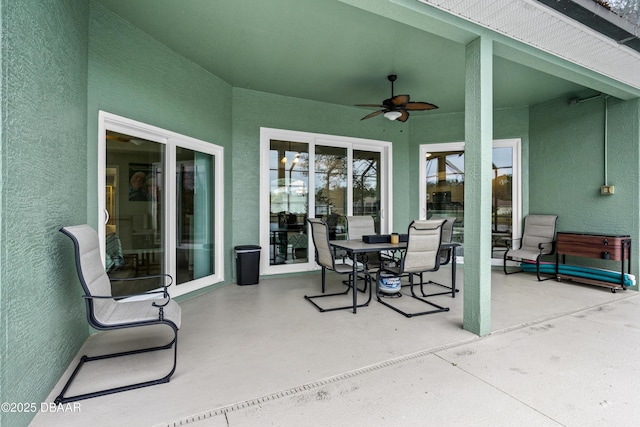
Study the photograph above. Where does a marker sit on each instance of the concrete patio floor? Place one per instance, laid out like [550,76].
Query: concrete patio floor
[560,354]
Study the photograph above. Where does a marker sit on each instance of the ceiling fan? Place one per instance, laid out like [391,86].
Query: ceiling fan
[397,107]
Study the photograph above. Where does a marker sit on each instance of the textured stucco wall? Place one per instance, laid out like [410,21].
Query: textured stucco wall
[135,76]
[252,110]
[567,149]
[43,152]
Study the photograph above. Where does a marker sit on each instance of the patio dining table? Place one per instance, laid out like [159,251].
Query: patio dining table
[356,246]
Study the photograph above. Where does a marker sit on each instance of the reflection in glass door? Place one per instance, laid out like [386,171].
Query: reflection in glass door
[501,200]
[288,202]
[444,189]
[134,232]
[331,189]
[195,210]
[366,185]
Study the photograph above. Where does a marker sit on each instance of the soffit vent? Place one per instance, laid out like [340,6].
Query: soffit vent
[535,24]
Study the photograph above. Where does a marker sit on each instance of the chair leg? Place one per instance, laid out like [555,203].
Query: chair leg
[540,279]
[504,266]
[437,308]
[311,298]
[349,282]
[61,399]
[451,289]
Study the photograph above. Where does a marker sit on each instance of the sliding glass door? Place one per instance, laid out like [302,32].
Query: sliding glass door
[366,198]
[288,202]
[331,189]
[344,175]
[442,189]
[195,208]
[135,243]
[162,205]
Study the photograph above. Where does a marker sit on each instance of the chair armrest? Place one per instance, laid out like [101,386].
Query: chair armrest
[125,296]
[542,246]
[130,279]
[163,286]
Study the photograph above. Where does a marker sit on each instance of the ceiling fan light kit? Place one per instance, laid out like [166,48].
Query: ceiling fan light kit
[392,115]
[397,107]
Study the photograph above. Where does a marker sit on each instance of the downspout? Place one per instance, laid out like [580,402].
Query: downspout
[606,140]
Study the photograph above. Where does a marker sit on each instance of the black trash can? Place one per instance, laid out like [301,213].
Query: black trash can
[247,264]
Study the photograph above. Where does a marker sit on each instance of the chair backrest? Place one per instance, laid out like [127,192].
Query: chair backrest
[93,277]
[447,237]
[358,226]
[538,229]
[320,236]
[423,246]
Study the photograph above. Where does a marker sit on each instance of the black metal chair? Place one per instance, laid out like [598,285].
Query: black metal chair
[422,255]
[106,313]
[326,258]
[538,239]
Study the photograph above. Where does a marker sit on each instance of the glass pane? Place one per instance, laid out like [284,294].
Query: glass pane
[445,188]
[366,185]
[445,193]
[135,230]
[195,210]
[288,202]
[331,189]
[502,200]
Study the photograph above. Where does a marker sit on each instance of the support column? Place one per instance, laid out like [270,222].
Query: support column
[477,186]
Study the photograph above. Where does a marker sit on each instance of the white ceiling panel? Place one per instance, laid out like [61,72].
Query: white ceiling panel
[537,25]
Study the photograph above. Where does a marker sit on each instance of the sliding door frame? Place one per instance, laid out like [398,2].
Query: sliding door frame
[516,183]
[171,140]
[314,139]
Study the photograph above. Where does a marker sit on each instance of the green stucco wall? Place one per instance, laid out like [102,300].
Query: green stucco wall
[42,187]
[134,76]
[567,158]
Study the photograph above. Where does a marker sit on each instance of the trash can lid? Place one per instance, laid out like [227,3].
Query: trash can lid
[247,248]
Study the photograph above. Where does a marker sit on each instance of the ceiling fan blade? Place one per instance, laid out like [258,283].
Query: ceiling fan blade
[399,100]
[404,116]
[370,105]
[419,106]
[375,113]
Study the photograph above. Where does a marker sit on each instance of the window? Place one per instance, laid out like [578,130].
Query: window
[161,205]
[317,176]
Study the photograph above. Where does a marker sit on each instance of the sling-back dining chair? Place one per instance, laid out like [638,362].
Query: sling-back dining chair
[357,227]
[445,256]
[326,259]
[422,255]
[106,313]
[538,239]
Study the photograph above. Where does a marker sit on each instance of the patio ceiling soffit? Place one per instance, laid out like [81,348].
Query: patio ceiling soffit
[550,32]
